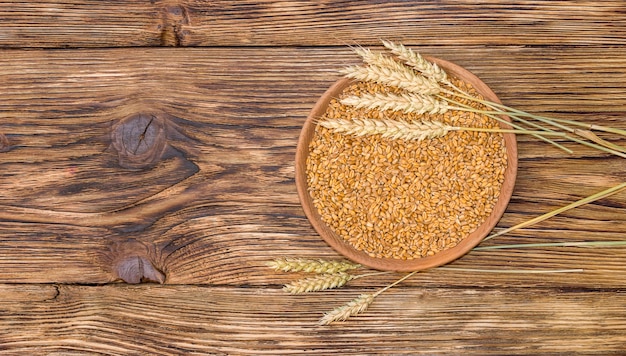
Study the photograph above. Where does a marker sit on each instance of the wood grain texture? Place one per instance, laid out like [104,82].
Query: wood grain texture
[220,199]
[124,158]
[125,320]
[90,23]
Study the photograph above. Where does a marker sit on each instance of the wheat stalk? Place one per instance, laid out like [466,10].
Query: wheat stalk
[594,138]
[601,145]
[407,102]
[415,60]
[404,78]
[603,194]
[557,244]
[512,271]
[311,266]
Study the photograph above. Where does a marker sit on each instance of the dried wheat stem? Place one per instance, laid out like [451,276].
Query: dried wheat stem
[594,138]
[512,271]
[597,144]
[415,60]
[403,78]
[495,115]
[311,266]
[557,244]
[408,102]
[495,129]
[407,276]
[603,194]
[559,123]
[591,126]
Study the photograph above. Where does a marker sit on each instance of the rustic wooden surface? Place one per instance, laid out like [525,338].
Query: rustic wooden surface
[157,139]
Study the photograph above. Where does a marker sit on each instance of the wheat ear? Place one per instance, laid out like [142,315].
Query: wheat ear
[392,129]
[408,102]
[318,283]
[324,281]
[409,130]
[379,59]
[415,60]
[403,77]
[311,266]
[354,307]
[358,305]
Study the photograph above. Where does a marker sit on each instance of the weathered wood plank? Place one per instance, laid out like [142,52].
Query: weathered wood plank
[176,165]
[65,24]
[217,200]
[149,319]
[582,79]
[432,23]
[88,23]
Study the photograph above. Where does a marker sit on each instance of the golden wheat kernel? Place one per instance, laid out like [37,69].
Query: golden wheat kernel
[391,183]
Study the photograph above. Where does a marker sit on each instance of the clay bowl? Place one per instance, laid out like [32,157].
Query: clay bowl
[392,264]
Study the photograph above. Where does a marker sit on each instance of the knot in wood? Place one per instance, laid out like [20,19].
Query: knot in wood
[174,18]
[136,269]
[4,143]
[139,140]
[131,262]
[176,12]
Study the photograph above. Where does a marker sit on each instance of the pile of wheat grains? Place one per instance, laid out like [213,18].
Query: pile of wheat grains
[405,199]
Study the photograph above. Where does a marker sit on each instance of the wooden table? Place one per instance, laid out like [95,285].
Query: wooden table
[155,140]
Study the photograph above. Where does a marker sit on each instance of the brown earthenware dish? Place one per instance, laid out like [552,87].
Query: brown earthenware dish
[392,264]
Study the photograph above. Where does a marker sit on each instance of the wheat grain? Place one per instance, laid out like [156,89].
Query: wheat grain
[407,102]
[403,78]
[415,60]
[388,197]
[318,283]
[354,307]
[311,266]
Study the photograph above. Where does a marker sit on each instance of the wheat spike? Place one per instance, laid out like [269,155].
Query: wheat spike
[318,283]
[403,77]
[414,130]
[379,59]
[407,102]
[415,60]
[311,266]
[354,307]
